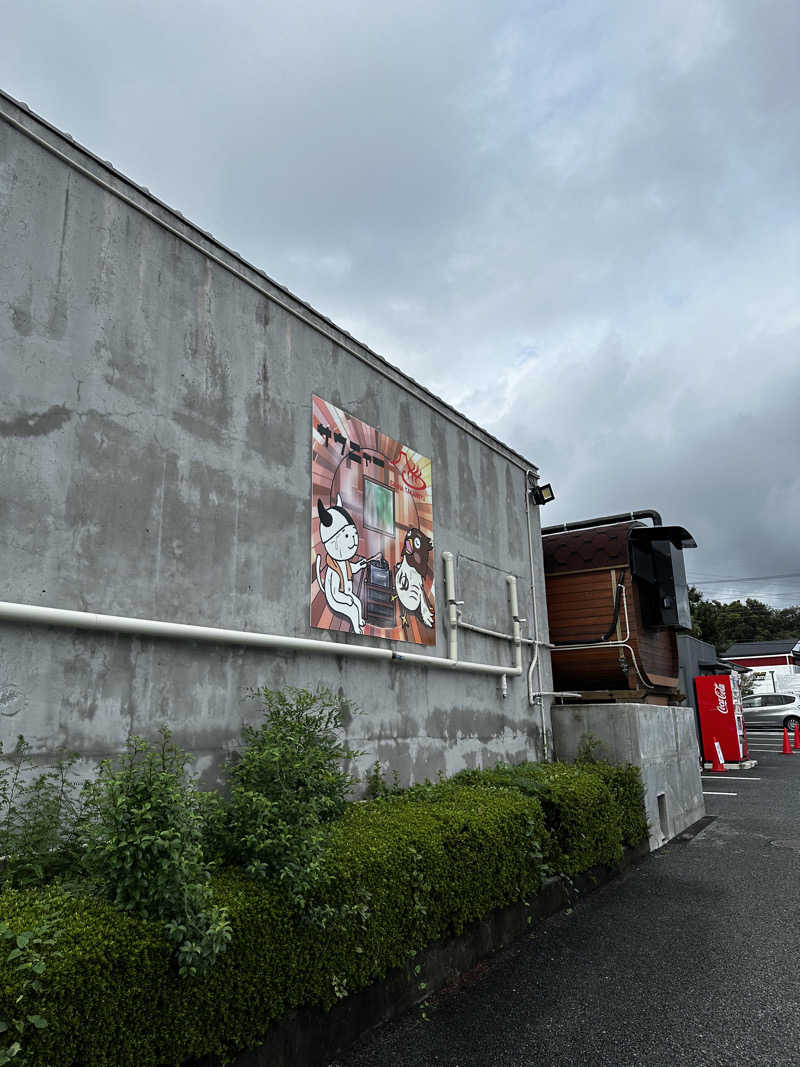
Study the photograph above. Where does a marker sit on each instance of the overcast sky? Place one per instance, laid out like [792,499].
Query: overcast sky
[576,221]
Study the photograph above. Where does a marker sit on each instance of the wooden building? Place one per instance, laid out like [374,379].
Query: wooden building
[616,596]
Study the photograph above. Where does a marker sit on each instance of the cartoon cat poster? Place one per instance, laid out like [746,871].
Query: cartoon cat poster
[372,549]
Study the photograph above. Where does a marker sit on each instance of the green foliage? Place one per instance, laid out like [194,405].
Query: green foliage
[144,848]
[624,782]
[342,892]
[40,819]
[429,863]
[582,816]
[377,786]
[284,786]
[27,965]
[590,749]
[724,624]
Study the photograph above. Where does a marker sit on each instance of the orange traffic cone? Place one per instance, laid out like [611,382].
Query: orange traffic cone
[716,763]
[787,748]
[796,743]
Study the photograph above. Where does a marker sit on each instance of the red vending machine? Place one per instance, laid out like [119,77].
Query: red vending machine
[719,706]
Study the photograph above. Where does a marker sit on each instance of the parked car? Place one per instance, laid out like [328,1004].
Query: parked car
[772,709]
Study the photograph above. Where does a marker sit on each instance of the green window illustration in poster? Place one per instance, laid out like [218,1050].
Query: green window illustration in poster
[372,562]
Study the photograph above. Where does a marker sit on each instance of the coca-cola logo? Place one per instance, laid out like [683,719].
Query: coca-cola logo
[721,693]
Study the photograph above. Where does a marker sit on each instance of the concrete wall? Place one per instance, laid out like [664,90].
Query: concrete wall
[661,741]
[155,398]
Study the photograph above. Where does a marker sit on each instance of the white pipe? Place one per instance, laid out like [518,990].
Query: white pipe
[514,604]
[622,643]
[555,693]
[35,615]
[490,633]
[532,696]
[452,610]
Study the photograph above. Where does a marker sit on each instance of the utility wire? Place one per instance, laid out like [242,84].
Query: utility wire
[736,581]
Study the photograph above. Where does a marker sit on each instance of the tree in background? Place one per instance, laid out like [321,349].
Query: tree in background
[724,624]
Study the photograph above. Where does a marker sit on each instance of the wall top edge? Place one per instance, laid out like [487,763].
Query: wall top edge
[62,144]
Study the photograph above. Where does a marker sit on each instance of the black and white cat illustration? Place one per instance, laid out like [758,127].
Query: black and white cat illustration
[410,574]
[340,537]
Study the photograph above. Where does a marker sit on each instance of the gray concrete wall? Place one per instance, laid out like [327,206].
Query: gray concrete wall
[155,398]
[661,741]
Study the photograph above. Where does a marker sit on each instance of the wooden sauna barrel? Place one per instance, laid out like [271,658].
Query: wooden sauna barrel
[632,653]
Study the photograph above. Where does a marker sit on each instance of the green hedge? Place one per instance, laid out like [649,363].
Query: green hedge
[400,873]
[625,784]
[582,813]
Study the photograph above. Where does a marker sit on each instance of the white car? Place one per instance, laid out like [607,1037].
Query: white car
[772,709]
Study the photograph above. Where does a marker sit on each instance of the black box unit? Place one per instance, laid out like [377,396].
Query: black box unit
[657,562]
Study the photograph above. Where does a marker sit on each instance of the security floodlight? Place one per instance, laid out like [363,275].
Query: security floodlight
[542,494]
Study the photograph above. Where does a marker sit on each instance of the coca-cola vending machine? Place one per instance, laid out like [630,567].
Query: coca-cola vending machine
[719,706]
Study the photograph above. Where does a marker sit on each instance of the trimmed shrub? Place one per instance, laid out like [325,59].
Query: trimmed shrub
[625,785]
[582,816]
[398,874]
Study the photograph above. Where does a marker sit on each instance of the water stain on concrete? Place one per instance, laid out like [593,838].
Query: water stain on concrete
[36,424]
[21,314]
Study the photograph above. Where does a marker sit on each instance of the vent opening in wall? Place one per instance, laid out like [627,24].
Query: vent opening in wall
[662,814]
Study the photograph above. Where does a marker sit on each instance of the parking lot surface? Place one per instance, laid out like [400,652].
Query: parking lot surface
[691,957]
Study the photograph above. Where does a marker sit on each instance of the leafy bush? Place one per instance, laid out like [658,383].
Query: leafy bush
[429,863]
[40,819]
[284,785]
[27,964]
[625,785]
[144,848]
[582,816]
[329,895]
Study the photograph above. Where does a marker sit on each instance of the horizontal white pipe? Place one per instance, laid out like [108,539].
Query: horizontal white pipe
[553,693]
[623,643]
[35,615]
[491,633]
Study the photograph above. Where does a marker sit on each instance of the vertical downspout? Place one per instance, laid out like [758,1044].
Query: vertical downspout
[452,610]
[532,700]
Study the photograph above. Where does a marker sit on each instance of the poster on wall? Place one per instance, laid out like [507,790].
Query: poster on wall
[372,561]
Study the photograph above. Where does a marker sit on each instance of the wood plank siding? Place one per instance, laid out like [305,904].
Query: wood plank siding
[582,570]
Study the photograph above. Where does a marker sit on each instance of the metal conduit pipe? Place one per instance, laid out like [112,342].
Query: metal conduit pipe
[558,693]
[490,633]
[36,615]
[515,627]
[622,643]
[452,608]
[533,697]
[606,520]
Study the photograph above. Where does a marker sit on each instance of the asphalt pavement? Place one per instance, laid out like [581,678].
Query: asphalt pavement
[691,957]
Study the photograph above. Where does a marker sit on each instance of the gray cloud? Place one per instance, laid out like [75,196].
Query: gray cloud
[577,221]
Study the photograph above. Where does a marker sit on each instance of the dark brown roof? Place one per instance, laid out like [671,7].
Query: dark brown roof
[580,550]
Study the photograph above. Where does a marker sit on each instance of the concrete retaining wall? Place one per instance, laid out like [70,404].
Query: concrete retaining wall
[661,741]
[155,413]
